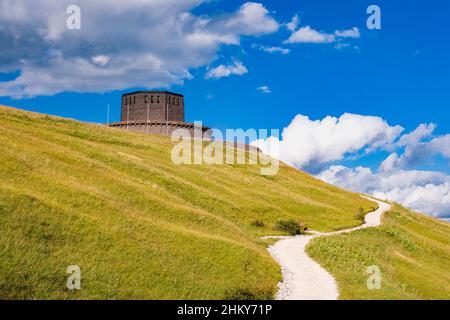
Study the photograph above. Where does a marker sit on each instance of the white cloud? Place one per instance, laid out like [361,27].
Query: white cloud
[292,26]
[418,153]
[310,144]
[309,35]
[276,49]
[252,19]
[221,71]
[350,33]
[101,60]
[422,132]
[433,199]
[363,179]
[148,43]
[423,191]
[390,163]
[264,89]
[440,146]
[318,146]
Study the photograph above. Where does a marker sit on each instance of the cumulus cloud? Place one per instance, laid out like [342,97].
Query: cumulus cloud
[122,44]
[311,144]
[319,146]
[422,132]
[418,153]
[309,35]
[424,191]
[221,71]
[252,19]
[264,89]
[292,26]
[350,33]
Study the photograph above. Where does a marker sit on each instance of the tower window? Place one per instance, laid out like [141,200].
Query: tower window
[145,99]
[157,99]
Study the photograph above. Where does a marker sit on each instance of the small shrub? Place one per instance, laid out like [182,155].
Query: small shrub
[401,238]
[361,214]
[291,226]
[408,244]
[258,224]
[392,232]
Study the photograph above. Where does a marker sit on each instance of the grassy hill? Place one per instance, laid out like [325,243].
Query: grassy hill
[411,250]
[138,226]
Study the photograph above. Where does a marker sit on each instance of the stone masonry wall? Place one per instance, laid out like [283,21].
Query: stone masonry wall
[152,106]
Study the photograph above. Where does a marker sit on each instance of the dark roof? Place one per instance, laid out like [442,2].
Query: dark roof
[150,91]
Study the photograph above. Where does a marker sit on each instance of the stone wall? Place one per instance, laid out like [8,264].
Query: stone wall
[152,106]
[163,128]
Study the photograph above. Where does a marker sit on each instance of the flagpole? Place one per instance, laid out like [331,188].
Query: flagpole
[108,115]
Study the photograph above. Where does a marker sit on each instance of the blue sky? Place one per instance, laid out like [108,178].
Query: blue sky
[400,73]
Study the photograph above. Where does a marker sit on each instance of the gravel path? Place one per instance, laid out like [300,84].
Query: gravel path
[303,278]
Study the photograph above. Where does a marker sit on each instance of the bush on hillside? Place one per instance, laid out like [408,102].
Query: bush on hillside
[291,226]
[258,224]
[361,214]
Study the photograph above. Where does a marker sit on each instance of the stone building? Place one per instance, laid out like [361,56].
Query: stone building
[152,105]
[155,112]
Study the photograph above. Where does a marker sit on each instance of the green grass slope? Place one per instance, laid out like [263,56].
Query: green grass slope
[138,226]
[411,250]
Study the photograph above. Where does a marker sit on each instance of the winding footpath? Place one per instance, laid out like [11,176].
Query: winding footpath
[303,278]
